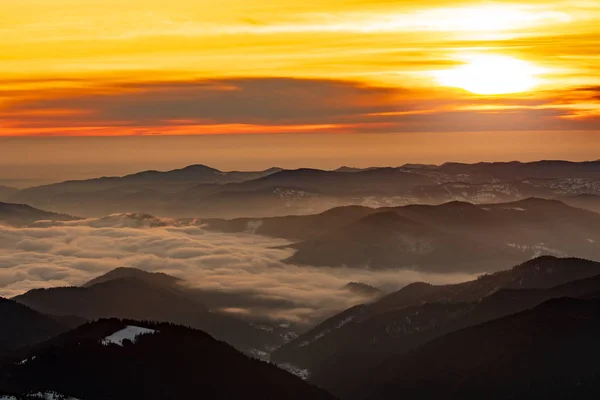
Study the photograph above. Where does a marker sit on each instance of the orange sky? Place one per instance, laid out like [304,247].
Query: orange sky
[179,67]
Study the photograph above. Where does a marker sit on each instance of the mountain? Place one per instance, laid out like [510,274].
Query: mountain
[390,240]
[201,191]
[364,336]
[295,227]
[549,352]
[588,201]
[146,191]
[354,169]
[6,192]
[455,236]
[134,294]
[127,359]
[227,202]
[378,180]
[22,326]
[21,215]
[545,169]
[495,191]
[152,278]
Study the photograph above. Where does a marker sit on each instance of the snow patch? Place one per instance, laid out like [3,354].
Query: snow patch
[25,361]
[50,396]
[129,333]
[292,369]
[253,226]
[345,321]
[263,327]
[591,241]
[260,355]
[289,336]
[40,396]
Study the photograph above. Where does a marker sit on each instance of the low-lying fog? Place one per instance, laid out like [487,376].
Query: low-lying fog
[244,270]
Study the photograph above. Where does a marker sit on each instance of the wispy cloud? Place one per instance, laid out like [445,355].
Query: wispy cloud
[284,105]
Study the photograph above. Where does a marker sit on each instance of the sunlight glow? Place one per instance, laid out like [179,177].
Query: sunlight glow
[491,75]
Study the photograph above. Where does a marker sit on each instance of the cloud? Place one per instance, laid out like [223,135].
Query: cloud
[241,273]
[241,101]
[280,105]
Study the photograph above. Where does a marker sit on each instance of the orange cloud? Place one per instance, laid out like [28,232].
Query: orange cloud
[285,105]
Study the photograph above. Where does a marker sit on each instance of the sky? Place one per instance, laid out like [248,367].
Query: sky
[272,67]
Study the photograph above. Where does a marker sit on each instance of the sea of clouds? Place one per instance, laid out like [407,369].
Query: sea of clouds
[247,267]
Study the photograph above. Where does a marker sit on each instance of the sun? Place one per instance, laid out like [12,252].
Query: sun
[491,75]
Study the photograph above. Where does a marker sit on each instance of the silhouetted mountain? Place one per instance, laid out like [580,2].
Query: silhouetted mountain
[22,326]
[6,192]
[138,360]
[549,352]
[363,336]
[153,278]
[122,298]
[138,295]
[21,215]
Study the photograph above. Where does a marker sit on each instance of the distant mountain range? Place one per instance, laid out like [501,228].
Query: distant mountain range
[344,352]
[115,359]
[201,191]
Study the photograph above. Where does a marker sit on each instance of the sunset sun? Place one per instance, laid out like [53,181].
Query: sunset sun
[491,75]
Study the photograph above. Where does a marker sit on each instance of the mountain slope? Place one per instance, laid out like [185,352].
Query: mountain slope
[296,227]
[201,191]
[21,215]
[22,326]
[545,169]
[455,236]
[549,352]
[390,240]
[363,336]
[588,201]
[147,191]
[156,278]
[134,294]
[225,202]
[155,361]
